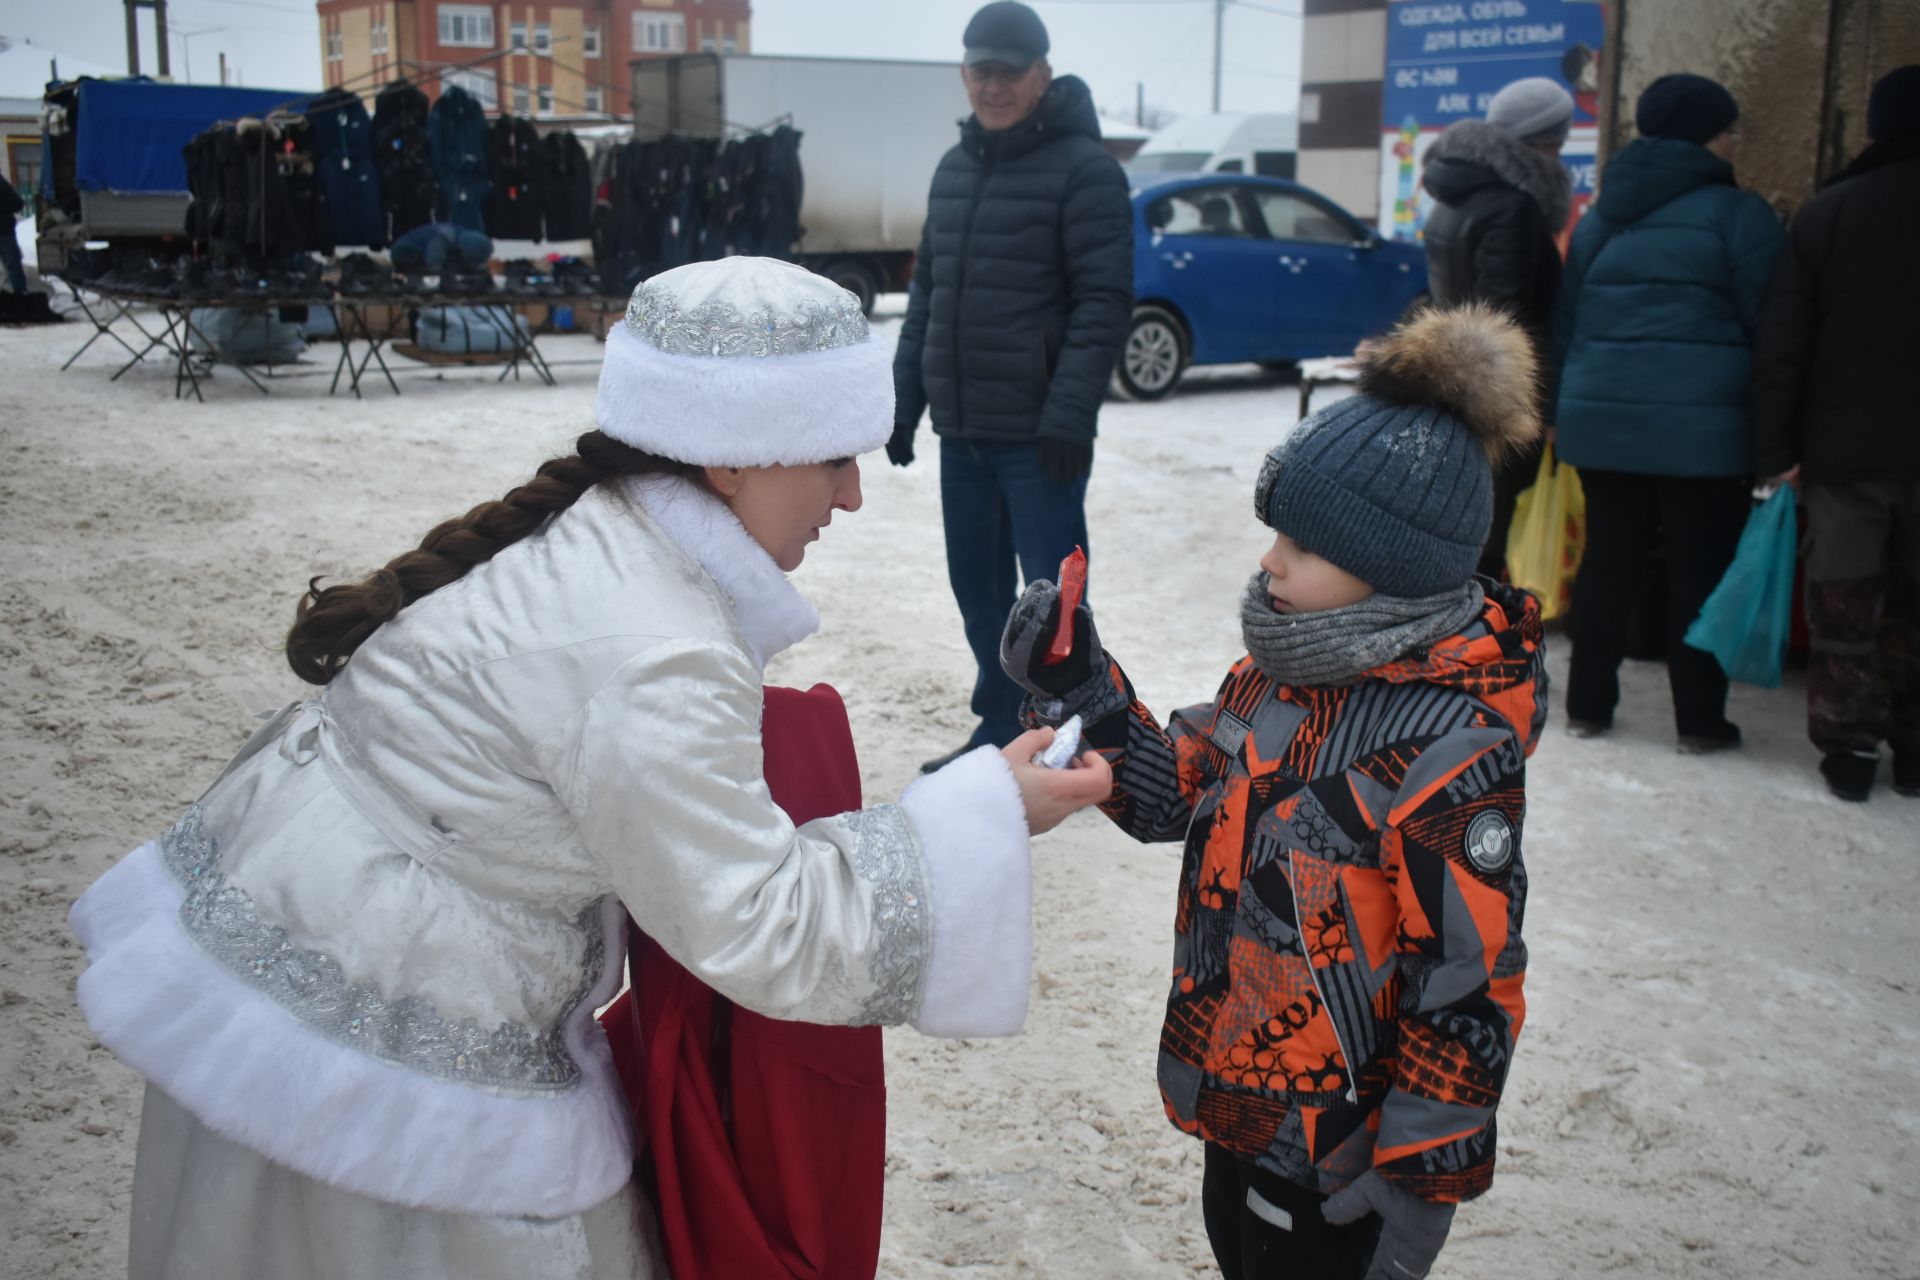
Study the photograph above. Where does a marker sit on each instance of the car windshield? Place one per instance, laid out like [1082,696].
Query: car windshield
[1169,162]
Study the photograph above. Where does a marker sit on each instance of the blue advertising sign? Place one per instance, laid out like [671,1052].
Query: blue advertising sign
[1445,61]
[1447,58]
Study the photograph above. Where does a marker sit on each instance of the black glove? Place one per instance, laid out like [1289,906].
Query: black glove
[1064,461]
[1030,628]
[1411,1232]
[900,444]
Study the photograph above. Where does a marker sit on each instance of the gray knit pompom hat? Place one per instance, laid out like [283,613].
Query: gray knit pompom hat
[1395,484]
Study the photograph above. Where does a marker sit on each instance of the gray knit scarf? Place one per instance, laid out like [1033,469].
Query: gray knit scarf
[1338,646]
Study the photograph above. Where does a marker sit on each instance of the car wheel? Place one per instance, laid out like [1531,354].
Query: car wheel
[1155,355]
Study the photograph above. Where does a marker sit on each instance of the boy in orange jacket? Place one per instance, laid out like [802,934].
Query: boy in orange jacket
[1347,964]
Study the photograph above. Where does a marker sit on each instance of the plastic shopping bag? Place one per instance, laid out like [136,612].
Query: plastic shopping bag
[1748,619]
[1548,535]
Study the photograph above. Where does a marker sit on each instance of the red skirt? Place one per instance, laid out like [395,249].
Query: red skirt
[764,1142]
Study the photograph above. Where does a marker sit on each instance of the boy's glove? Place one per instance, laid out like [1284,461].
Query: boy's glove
[1412,1229]
[1030,628]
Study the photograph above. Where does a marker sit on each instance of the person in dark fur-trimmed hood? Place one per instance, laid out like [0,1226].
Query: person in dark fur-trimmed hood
[1501,196]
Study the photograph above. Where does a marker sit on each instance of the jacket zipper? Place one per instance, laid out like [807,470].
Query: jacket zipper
[960,293]
[1353,1092]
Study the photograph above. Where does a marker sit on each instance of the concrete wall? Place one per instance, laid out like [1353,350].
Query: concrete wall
[1800,69]
[1343,52]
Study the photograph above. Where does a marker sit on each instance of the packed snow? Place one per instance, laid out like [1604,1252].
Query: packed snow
[1716,1077]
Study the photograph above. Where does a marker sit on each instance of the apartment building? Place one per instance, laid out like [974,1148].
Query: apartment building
[566,59]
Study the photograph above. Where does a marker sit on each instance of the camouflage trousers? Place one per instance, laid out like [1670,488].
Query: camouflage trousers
[1863,615]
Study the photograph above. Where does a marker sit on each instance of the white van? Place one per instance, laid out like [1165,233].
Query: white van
[1262,143]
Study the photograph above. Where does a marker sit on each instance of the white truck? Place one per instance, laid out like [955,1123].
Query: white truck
[871,133]
[1265,143]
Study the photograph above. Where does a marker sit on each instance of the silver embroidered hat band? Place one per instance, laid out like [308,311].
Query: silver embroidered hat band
[745,362]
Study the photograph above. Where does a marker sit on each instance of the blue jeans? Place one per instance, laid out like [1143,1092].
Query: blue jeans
[1006,521]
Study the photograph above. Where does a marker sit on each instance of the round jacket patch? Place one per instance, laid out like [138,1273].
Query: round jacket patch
[1489,841]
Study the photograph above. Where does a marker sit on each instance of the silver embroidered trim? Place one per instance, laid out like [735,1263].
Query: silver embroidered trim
[886,855]
[408,1032]
[719,329]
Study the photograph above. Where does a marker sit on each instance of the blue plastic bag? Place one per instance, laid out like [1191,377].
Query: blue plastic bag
[1748,619]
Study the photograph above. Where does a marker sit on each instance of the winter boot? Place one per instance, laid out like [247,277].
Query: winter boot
[1849,774]
[1706,744]
[1906,772]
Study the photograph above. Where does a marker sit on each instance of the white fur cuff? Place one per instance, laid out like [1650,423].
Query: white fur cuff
[973,828]
[746,411]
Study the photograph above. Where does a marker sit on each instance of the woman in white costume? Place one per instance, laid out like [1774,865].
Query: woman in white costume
[359,975]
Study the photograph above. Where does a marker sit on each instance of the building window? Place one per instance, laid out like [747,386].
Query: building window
[729,45]
[659,33]
[336,47]
[25,160]
[377,35]
[516,35]
[590,42]
[542,37]
[594,100]
[709,45]
[545,92]
[470,25]
[480,84]
[521,102]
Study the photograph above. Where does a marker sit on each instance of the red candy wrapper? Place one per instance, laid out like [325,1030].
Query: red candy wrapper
[1073,585]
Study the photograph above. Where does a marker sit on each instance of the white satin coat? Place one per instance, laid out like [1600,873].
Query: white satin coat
[373,949]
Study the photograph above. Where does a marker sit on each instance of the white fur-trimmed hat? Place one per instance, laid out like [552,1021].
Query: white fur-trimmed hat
[745,362]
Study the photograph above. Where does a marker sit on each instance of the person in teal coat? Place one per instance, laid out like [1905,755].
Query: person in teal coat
[1653,338]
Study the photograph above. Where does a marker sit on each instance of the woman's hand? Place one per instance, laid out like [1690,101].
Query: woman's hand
[1051,794]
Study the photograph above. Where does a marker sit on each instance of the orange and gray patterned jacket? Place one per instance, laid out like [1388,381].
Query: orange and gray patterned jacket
[1347,959]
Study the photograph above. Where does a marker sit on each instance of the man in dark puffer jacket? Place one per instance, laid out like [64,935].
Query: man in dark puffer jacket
[1501,197]
[1018,309]
[1835,406]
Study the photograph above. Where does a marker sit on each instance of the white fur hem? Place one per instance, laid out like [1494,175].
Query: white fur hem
[973,829]
[746,411]
[255,1074]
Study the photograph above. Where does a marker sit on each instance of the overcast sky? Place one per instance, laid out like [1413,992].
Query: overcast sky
[1112,44]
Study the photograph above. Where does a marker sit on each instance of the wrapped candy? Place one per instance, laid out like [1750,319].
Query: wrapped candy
[1066,746]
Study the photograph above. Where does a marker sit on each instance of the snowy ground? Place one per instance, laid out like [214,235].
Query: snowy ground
[1716,1077]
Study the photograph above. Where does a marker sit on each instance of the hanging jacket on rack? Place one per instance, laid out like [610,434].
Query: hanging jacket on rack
[514,169]
[349,185]
[204,186]
[566,188]
[782,186]
[283,215]
[402,158]
[227,224]
[457,140]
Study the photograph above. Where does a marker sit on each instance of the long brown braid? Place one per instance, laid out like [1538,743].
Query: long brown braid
[331,622]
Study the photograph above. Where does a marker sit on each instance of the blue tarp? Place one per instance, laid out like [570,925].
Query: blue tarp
[131,132]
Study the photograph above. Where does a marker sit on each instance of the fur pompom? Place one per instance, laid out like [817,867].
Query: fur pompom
[1473,360]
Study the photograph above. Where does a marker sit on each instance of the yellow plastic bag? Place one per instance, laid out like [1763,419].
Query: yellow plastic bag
[1548,535]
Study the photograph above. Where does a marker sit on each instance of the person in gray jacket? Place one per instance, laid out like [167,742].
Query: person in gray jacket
[1017,313]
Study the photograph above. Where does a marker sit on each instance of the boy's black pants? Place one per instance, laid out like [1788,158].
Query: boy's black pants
[1250,1244]
[1699,521]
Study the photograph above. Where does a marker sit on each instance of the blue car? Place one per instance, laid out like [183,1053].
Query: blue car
[1229,267]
